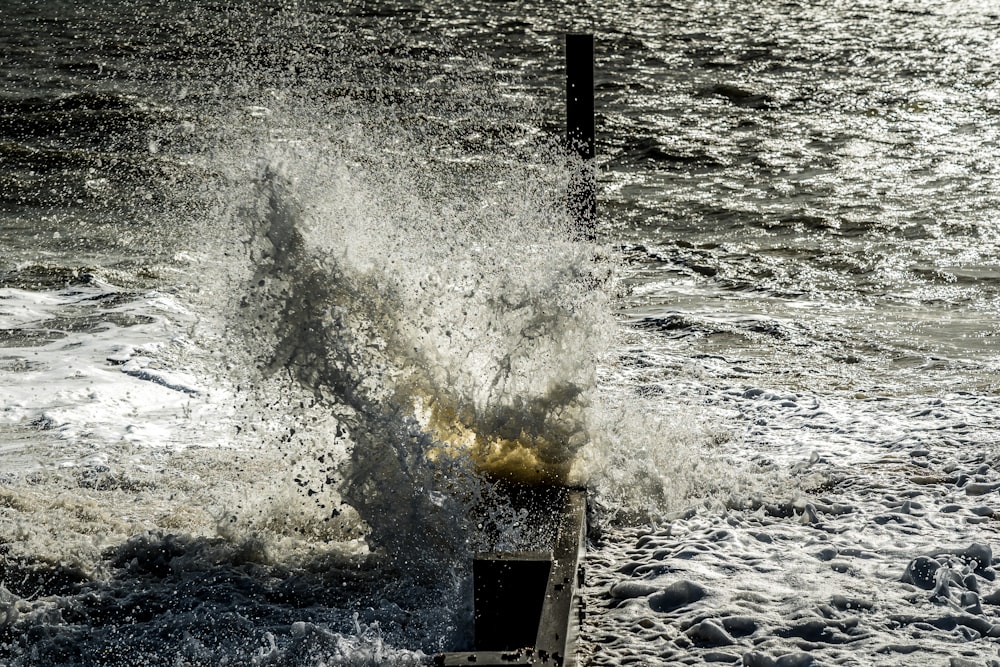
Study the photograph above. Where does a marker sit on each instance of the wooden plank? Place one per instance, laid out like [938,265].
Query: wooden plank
[559,617]
[559,626]
[487,658]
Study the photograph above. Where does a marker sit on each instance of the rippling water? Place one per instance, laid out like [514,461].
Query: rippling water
[827,170]
[286,287]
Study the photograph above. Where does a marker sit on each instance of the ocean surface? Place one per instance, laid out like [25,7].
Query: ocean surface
[289,293]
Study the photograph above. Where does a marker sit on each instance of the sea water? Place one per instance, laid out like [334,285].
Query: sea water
[289,293]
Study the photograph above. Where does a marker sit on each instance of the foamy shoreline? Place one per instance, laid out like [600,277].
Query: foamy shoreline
[886,563]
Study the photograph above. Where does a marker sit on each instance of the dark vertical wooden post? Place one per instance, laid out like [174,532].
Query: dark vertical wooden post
[580,127]
[580,94]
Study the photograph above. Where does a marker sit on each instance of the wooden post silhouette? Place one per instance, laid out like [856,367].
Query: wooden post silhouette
[580,128]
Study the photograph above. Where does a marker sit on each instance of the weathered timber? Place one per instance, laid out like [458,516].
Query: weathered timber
[507,600]
[580,130]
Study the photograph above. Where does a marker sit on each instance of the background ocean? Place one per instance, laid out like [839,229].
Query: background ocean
[280,281]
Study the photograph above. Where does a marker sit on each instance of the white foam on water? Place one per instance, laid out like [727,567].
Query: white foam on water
[874,553]
[91,365]
[869,537]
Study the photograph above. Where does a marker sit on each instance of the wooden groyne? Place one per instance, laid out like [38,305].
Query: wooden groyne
[526,608]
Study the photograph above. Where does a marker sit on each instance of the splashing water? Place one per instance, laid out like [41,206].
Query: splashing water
[455,337]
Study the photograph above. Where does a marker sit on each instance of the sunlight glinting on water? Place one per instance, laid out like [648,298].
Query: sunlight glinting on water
[286,288]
